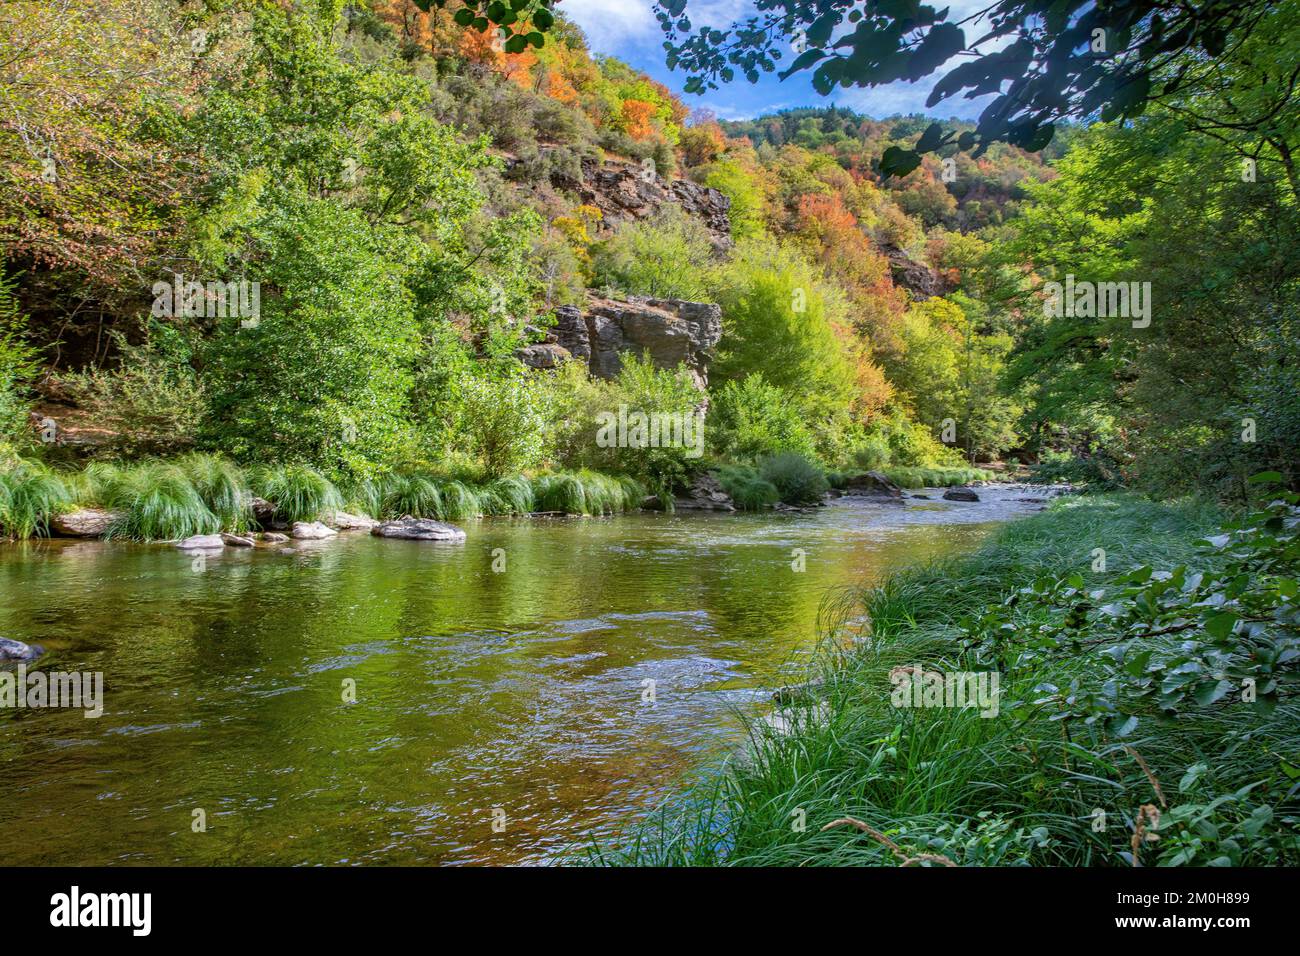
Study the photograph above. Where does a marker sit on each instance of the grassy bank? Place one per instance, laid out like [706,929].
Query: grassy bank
[1118,692]
[936,477]
[205,494]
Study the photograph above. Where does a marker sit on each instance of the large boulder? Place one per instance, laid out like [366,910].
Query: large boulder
[83,523]
[704,494]
[311,531]
[418,529]
[872,483]
[960,494]
[11,650]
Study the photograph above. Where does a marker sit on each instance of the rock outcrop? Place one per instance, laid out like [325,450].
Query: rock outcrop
[916,277]
[704,494]
[628,191]
[670,331]
[418,529]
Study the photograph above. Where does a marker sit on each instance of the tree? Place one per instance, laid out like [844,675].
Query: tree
[1065,58]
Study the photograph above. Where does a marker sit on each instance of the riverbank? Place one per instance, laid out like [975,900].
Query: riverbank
[1121,722]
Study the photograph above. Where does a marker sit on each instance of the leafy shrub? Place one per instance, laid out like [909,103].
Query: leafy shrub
[17,369]
[665,257]
[1097,473]
[298,492]
[748,490]
[30,495]
[872,453]
[751,419]
[152,400]
[501,421]
[798,480]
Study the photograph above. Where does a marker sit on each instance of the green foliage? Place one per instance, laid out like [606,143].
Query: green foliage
[501,420]
[797,479]
[152,401]
[747,488]
[750,419]
[18,367]
[665,257]
[30,495]
[298,492]
[921,477]
[586,493]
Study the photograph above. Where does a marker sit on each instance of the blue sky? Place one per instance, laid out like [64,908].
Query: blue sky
[628,30]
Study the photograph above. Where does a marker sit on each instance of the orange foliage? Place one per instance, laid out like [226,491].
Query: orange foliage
[637,116]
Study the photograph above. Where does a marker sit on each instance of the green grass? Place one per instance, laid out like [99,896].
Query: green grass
[157,501]
[30,495]
[935,477]
[298,492]
[998,791]
[586,493]
[222,486]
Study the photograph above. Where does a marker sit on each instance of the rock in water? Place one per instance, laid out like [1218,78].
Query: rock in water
[872,483]
[83,523]
[705,494]
[238,541]
[960,494]
[18,651]
[202,542]
[346,522]
[310,531]
[418,529]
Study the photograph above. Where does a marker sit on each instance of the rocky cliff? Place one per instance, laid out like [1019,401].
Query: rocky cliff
[670,331]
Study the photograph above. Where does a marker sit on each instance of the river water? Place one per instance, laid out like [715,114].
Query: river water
[501,708]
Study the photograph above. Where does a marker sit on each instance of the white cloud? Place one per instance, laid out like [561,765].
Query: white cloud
[610,24]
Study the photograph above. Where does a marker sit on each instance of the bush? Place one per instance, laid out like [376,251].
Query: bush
[751,419]
[501,420]
[298,492]
[798,480]
[17,369]
[30,495]
[665,257]
[748,490]
[872,453]
[152,401]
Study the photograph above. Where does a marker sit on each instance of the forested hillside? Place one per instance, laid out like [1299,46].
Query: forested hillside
[402,203]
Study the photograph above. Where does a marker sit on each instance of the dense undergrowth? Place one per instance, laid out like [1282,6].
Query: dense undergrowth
[1147,707]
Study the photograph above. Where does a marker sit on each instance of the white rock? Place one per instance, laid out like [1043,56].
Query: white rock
[202,542]
[310,531]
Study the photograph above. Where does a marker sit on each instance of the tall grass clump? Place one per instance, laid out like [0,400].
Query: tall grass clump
[512,495]
[298,492]
[798,480]
[747,488]
[459,501]
[156,501]
[30,495]
[587,493]
[906,476]
[222,486]
[415,494]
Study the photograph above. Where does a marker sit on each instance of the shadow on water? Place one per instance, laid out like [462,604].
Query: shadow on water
[520,691]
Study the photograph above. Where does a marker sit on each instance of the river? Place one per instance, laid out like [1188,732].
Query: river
[502,710]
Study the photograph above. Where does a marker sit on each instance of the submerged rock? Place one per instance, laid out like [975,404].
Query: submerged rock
[202,542]
[960,494]
[11,650]
[311,531]
[418,529]
[83,523]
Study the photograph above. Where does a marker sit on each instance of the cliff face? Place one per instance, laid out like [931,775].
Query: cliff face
[670,331]
[625,191]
